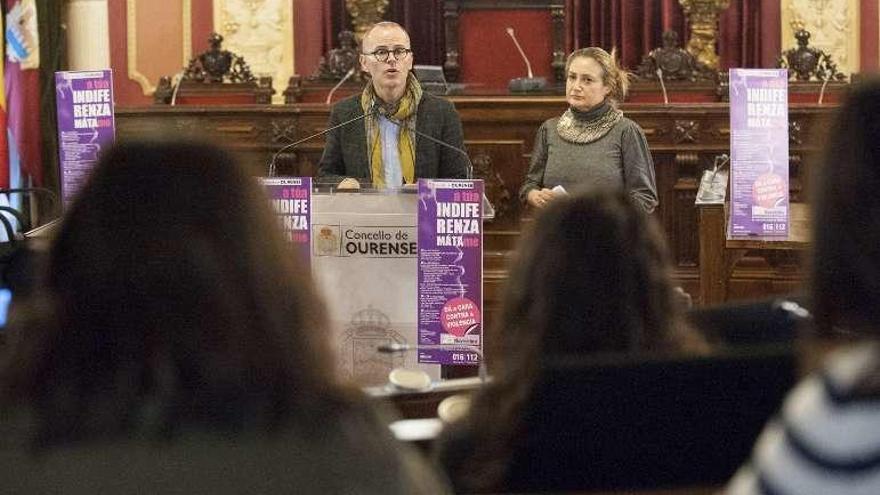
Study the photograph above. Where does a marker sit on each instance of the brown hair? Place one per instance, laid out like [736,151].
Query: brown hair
[591,277]
[173,301]
[613,76]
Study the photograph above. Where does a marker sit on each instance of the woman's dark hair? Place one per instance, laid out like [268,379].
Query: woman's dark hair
[846,218]
[174,302]
[592,277]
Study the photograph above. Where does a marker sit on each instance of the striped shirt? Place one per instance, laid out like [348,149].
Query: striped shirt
[827,441]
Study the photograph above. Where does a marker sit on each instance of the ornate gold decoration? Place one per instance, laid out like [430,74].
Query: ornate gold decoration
[703,19]
[261,31]
[833,25]
[365,13]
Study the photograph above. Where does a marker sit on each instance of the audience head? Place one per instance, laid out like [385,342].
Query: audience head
[386,54]
[172,295]
[599,75]
[846,218]
[592,276]
[591,280]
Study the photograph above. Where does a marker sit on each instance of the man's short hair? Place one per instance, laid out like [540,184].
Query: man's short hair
[386,24]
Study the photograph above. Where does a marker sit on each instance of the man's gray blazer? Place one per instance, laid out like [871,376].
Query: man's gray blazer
[345,154]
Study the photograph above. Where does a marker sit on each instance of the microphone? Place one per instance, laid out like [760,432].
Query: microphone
[373,111]
[346,77]
[521,52]
[175,86]
[524,84]
[662,86]
[822,91]
[470,165]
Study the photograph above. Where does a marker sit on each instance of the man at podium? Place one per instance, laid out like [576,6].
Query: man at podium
[391,133]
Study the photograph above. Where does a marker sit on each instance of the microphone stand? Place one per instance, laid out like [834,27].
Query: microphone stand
[179,78]
[313,136]
[822,90]
[524,84]
[662,86]
[340,83]
[470,165]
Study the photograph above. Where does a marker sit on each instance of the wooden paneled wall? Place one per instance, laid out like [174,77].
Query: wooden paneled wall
[499,132]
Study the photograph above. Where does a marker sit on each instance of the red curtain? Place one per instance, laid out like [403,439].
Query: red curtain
[633,27]
[747,31]
[740,41]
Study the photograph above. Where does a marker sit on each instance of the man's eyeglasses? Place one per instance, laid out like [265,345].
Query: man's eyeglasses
[382,54]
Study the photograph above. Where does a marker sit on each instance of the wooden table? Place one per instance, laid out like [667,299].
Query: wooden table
[720,254]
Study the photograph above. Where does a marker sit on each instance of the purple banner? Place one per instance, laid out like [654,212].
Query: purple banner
[291,199]
[759,152]
[450,294]
[86,125]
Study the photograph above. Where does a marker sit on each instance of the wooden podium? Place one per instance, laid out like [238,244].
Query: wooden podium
[719,253]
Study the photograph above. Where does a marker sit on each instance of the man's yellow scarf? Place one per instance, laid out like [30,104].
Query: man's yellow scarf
[406,115]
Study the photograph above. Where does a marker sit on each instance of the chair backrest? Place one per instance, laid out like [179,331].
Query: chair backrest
[648,423]
[750,323]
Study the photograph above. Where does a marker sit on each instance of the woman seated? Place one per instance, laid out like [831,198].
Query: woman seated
[592,278]
[592,143]
[826,439]
[181,349]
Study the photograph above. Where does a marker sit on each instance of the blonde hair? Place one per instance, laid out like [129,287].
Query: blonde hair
[613,75]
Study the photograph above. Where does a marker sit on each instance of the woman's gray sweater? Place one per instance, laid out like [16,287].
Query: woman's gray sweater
[619,159]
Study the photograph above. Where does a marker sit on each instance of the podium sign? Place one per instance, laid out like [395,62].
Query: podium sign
[364,254]
[86,125]
[291,198]
[759,152]
[450,271]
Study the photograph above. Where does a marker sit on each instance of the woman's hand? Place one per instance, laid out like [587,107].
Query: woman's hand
[539,198]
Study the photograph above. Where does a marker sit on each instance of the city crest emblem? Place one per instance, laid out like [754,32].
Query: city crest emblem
[327,242]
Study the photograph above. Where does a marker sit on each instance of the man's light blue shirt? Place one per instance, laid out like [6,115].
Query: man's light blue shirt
[389,135]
